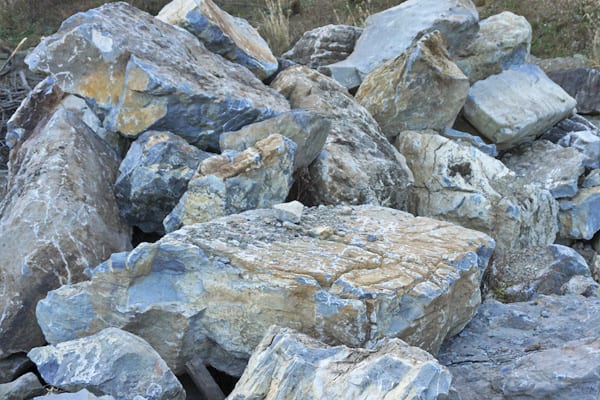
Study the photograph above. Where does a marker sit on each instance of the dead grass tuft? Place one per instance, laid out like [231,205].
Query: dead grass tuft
[274,25]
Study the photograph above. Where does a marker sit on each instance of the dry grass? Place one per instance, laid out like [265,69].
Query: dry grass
[274,25]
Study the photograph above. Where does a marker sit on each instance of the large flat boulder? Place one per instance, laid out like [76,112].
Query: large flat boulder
[543,349]
[153,176]
[223,34]
[288,364]
[112,362]
[459,183]
[358,164]
[258,177]
[59,216]
[389,33]
[344,275]
[147,74]
[516,105]
[395,95]
[503,41]
[324,45]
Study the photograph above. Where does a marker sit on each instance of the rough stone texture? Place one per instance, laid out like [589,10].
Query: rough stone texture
[581,285]
[307,129]
[358,164]
[344,275]
[503,41]
[389,33]
[595,267]
[529,272]
[288,364]
[578,217]
[560,63]
[592,179]
[583,84]
[324,45]
[153,176]
[395,95]
[470,140]
[460,184]
[579,133]
[290,212]
[258,177]
[58,217]
[516,105]
[231,37]
[24,387]
[560,175]
[544,349]
[81,395]
[156,77]
[112,362]
[3,182]
[13,367]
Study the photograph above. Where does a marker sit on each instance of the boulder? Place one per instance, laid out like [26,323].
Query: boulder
[559,63]
[111,362]
[307,129]
[25,387]
[58,217]
[231,37]
[516,105]
[149,75]
[80,395]
[581,285]
[344,275]
[592,179]
[583,84]
[324,45]
[289,212]
[503,41]
[579,133]
[153,176]
[358,164]
[258,177]
[532,271]
[560,177]
[460,184]
[578,217]
[13,367]
[288,364]
[543,349]
[389,33]
[395,95]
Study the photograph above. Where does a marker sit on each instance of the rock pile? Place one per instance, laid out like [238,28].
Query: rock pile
[315,243]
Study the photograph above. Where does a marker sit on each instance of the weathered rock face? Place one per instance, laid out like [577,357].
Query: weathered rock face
[592,179]
[157,77]
[112,362]
[470,140]
[258,177]
[578,217]
[59,216]
[560,177]
[583,84]
[516,105]
[80,395]
[324,45]
[344,275]
[460,184]
[389,33]
[13,367]
[498,357]
[529,272]
[357,165]
[307,129]
[24,387]
[153,176]
[231,37]
[580,134]
[503,41]
[288,364]
[396,97]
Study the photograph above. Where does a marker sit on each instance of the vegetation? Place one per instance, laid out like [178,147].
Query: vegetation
[560,27]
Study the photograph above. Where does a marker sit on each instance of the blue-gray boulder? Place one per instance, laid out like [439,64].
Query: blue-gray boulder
[153,176]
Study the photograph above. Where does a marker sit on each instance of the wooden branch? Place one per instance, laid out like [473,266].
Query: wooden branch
[15,51]
[203,379]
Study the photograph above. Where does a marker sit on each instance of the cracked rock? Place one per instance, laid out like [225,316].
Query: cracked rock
[214,289]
